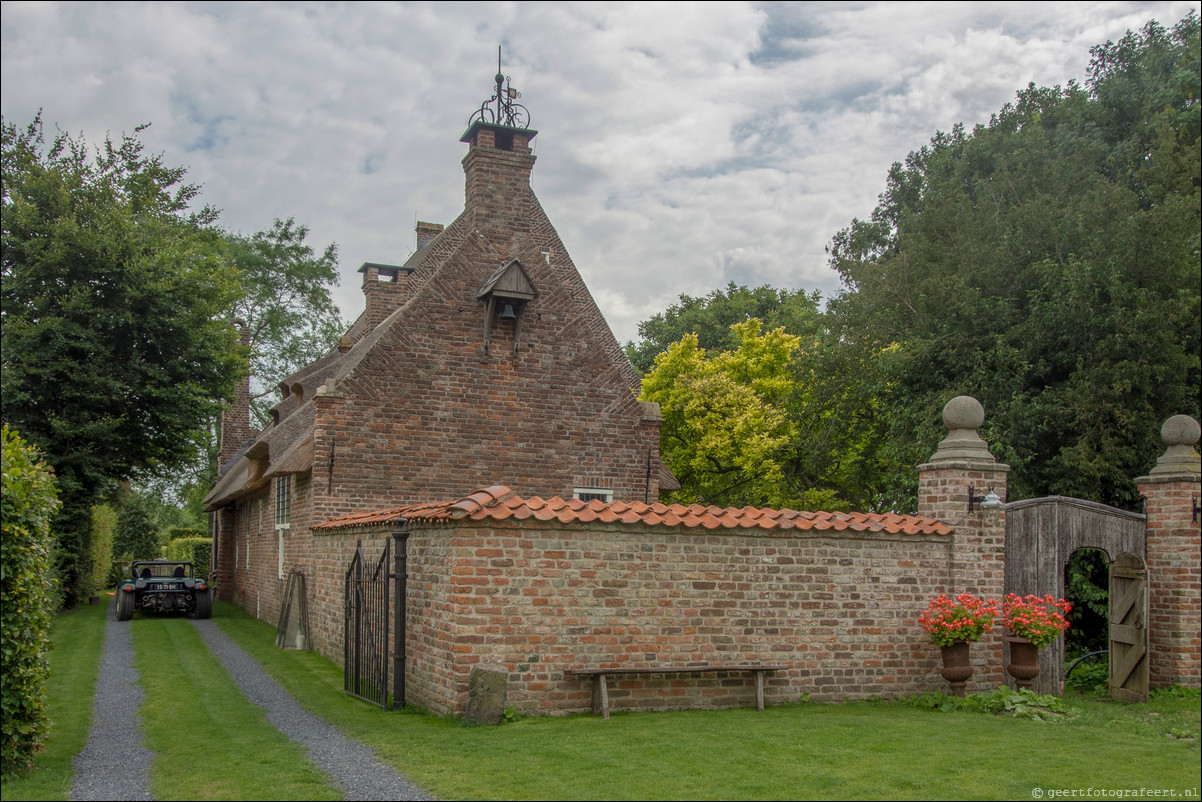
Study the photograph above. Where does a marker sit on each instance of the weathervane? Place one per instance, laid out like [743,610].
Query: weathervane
[507,112]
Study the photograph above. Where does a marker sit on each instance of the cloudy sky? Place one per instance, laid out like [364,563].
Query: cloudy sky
[681,145]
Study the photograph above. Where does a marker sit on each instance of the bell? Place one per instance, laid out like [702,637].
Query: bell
[507,313]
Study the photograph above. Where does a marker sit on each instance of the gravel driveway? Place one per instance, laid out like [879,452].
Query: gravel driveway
[114,765]
[105,772]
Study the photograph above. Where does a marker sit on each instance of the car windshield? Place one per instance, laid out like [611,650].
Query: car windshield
[162,570]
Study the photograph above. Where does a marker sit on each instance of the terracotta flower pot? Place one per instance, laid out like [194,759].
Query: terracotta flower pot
[957,666]
[1024,661]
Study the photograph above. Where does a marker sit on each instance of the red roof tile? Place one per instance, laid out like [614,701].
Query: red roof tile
[499,502]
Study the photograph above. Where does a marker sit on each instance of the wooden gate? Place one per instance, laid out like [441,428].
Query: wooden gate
[1128,629]
[365,635]
[1041,534]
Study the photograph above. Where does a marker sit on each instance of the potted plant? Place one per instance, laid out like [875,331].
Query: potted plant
[1034,622]
[953,624]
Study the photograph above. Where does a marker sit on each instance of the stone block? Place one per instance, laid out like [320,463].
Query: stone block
[487,692]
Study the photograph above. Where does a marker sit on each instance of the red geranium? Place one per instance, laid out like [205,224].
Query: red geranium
[965,618]
[1039,619]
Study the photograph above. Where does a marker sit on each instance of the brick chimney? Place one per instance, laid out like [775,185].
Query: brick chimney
[235,418]
[384,291]
[426,232]
[498,165]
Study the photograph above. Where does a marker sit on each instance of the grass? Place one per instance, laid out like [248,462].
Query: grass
[212,743]
[209,741]
[863,750]
[78,637]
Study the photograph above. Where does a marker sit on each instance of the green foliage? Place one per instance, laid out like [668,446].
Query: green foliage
[116,343]
[1004,701]
[1091,677]
[1048,264]
[180,533]
[1177,692]
[27,504]
[1087,587]
[726,429]
[137,535]
[194,549]
[763,418]
[286,305]
[99,558]
[711,318]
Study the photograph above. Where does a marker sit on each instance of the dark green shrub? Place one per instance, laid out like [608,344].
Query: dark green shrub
[1091,677]
[29,501]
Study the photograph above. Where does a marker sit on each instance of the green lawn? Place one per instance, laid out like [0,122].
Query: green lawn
[209,741]
[864,750]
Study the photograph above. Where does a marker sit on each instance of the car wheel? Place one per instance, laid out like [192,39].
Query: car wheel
[125,605]
[204,604]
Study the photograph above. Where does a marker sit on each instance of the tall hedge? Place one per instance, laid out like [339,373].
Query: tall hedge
[99,562]
[191,548]
[29,501]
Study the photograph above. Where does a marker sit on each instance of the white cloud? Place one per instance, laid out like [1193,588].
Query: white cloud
[681,146]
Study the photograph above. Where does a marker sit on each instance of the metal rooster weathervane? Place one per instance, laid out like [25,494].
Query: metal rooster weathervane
[507,112]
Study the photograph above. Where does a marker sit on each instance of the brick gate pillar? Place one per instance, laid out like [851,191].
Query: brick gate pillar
[1171,496]
[960,468]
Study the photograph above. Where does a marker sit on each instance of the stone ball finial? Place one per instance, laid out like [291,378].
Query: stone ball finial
[962,416]
[963,412]
[1180,430]
[1180,433]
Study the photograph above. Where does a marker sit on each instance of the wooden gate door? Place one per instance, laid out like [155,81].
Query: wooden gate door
[1128,629]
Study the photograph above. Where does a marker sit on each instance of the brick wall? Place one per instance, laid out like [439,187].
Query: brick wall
[840,609]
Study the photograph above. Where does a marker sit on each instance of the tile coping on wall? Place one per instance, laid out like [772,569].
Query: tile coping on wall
[499,503]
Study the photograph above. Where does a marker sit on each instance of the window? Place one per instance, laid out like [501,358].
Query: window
[283,501]
[283,512]
[605,494]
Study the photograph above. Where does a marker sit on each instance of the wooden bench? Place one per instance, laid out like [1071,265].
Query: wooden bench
[601,690]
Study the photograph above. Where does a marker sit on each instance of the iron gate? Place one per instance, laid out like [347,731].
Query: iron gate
[365,636]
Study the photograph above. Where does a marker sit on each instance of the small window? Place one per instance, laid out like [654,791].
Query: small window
[283,501]
[605,494]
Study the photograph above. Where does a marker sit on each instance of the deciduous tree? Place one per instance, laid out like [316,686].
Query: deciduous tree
[1048,264]
[285,304]
[116,339]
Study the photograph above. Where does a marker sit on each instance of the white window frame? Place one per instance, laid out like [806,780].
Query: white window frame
[603,494]
[283,516]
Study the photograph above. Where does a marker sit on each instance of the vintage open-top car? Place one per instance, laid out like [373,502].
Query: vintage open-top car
[163,586]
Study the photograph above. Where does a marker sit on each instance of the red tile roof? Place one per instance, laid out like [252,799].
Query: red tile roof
[500,503]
